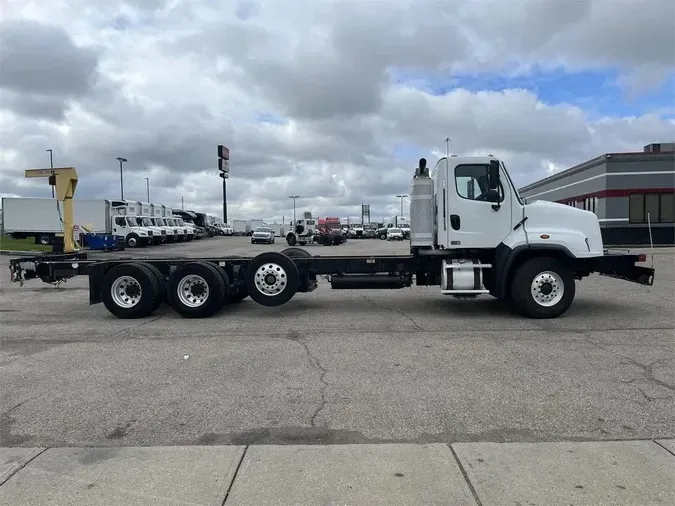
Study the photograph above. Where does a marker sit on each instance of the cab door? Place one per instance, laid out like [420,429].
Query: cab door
[473,221]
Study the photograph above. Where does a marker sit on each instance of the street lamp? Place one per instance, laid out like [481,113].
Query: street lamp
[51,166]
[121,160]
[294,197]
[147,188]
[401,197]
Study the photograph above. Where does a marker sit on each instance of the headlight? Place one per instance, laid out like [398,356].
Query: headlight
[143,233]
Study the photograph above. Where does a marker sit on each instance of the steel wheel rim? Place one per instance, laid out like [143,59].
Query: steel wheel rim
[547,288]
[126,292]
[192,290]
[270,279]
[132,241]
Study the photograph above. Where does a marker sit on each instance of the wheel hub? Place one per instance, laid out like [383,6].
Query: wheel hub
[126,291]
[270,279]
[192,290]
[547,288]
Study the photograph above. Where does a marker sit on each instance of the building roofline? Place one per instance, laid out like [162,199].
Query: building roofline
[594,162]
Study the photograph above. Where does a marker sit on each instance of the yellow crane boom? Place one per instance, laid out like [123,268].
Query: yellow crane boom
[64,179]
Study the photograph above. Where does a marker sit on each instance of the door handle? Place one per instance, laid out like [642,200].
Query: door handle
[454,221]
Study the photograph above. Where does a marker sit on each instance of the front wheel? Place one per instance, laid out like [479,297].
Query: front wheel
[542,288]
[291,240]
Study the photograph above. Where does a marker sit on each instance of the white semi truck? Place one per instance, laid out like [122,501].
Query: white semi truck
[471,234]
[41,218]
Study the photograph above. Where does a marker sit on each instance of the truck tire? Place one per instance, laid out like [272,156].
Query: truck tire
[291,239]
[296,253]
[542,287]
[272,279]
[161,285]
[133,240]
[44,239]
[196,290]
[130,291]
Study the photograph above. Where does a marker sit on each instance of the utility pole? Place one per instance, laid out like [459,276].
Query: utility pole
[147,188]
[294,197]
[51,166]
[401,197]
[224,173]
[121,159]
[182,204]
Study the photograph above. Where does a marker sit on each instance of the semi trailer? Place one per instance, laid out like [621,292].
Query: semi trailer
[471,234]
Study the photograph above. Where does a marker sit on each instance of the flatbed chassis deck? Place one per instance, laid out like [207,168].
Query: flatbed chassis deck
[149,281]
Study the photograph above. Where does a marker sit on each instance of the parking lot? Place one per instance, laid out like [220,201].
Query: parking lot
[336,366]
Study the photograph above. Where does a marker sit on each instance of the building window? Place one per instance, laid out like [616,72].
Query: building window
[652,207]
[636,208]
[667,208]
[659,208]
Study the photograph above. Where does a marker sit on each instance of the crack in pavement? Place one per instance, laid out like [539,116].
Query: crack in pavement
[295,337]
[647,370]
[395,310]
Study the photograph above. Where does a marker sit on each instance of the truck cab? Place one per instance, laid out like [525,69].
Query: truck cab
[134,234]
[478,206]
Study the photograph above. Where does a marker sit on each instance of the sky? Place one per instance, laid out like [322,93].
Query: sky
[334,101]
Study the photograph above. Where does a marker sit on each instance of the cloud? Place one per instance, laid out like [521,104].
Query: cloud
[334,101]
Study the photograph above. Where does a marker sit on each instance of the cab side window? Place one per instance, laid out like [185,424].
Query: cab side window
[119,221]
[471,182]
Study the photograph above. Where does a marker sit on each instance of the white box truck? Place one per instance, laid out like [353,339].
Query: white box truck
[239,227]
[251,225]
[41,218]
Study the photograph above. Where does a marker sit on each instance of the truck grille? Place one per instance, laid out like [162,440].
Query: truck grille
[163,232]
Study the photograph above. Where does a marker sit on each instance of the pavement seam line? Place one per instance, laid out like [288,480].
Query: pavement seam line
[667,449]
[234,476]
[28,461]
[465,475]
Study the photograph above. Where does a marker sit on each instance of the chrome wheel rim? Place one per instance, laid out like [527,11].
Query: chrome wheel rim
[271,279]
[132,241]
[547,288]
[126,292]
[192,290]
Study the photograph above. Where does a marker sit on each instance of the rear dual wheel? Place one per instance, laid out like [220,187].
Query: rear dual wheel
[131,291]
[197,289]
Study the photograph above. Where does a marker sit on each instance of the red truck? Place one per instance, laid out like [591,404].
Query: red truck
[330,232]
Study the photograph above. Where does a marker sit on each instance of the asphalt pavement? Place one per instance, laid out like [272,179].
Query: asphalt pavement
[336,367]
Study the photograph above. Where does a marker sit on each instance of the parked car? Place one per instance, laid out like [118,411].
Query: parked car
[394,234]
[262,234]
[405,228]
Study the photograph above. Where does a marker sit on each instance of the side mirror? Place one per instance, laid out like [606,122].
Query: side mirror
[493,175]
[492,195]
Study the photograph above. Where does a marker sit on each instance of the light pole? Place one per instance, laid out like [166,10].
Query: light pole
[182,204]
[294,197]
[401,197]
[147,188]
[51,166]
[121,160]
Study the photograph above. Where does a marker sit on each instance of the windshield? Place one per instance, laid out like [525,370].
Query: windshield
[405,225]
[395,230]
[180,222]
[132,222]
[263,229]
[160,222]
[147,222]
[225,225]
